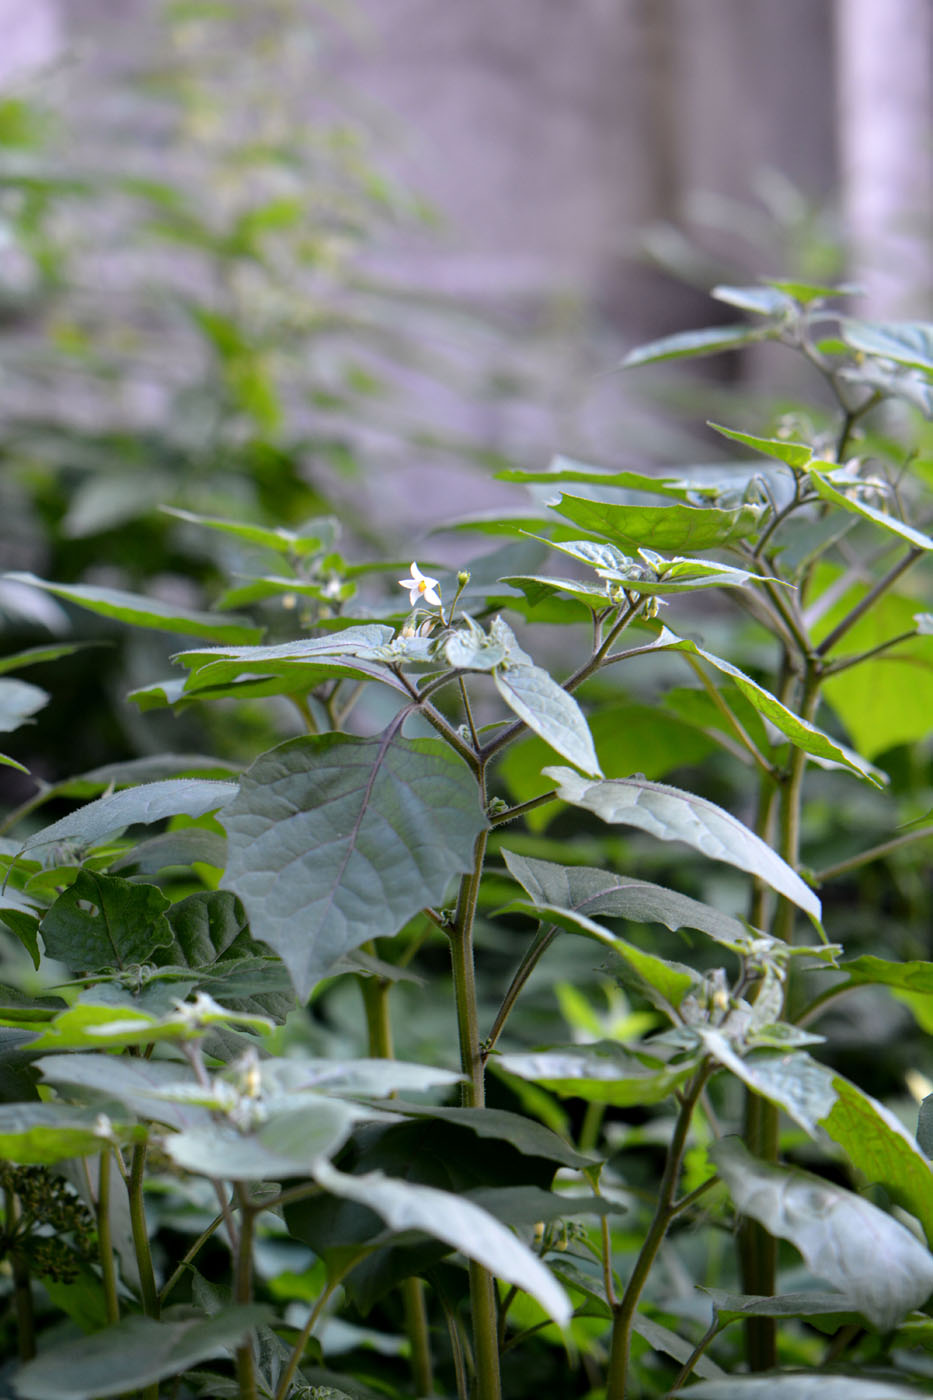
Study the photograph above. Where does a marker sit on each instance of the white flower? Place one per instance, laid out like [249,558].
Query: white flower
[421,587]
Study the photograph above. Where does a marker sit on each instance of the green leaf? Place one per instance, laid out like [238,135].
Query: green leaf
[528,1137]
[335,840]
[566,469]
[768,300]
[136,1082]
[18,701]
[671,527]
[149,769]
[280,540]
[603,1072]
[12,763]
[804,1385]
[795,454]
[548,710]
[584,890]
[102,922]
[182,848]
[134,1353]
[906,342]
[286,1144]
[150,802]
[694,343]
[812,291]
[904,976]
[827,1311]
[854,506]
[880,1267]
[459,1223]
[139,611]
[38,656]
[627,738]
[672,815]
[42,1133]
[668,1343]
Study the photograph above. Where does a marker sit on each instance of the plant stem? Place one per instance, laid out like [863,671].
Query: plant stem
[482,1286]
[104,1239]
[711,1332]
[843,867]
[624,1311]
[870,598]
[243,1292]
[313,1316]
[198,1245]
[536,950]
[147,1284]
[22,1289]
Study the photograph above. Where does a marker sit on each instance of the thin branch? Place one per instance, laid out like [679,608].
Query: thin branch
[867,602]
[842,867]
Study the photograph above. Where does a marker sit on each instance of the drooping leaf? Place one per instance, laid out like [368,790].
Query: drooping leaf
[906,342]
[134,1353]
[549,711]
[672,815]
[150,802]
[456,1221]
[667,528]
[140,611]
[603,1072]
[280,540]
[19,701]
[103,922]
[600,892]
[803,1385]
[856,506]
[694,343]
[823,1310]
[663,1340]
[368,831]
[795,454]
[875,1262]
[566,469]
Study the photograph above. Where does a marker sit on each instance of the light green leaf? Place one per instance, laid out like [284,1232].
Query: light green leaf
[286,1144]
[335,840]
[280,540]
[854,506]
[133,1354]
[879,1266]
[905,342]
[18,702]
[603,1072]
[41,1133]
[795,454]
[599,892]
[672,815]
[551,712]
[566,469]
[667,528]
[470,649]
[458,1222]
[812,1385]
[38,656]
[12,763]
[150,802]
[761,301]
[136,1082]
[139,611]
[694,343]
[805,292]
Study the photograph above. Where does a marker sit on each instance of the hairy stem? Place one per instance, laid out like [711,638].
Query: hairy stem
[108,1268]
[140,1230]
[665,1211]
[243,1292]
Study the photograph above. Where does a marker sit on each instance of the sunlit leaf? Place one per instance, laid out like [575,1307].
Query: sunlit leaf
[668,528]
[694,343]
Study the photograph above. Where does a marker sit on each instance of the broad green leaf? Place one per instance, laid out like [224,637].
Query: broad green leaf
[365,642]
[19,701]
[879,1266]
[663,1340]
[553,714]
[904,976]
[887,699]
[280,540]
[672,815]
[800,732]
[827,1311]
[191,844]
[149,769]
[694,343]
[672,527]
[627,738]
[906,342]
[150,802]
[335,840]
[103,922]
[602,1072]
[599,892]
[112,1025]
[469,648]
[566,469]
[42,1133]
[286,1144]
[134,1353]
[139,611]
[459,1223]
[364,1078]
[528,1137]
[768,300]
[855,506]
[805,292]
[136,1082]
[526,1205]
[803,1385]
[795,454]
